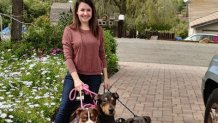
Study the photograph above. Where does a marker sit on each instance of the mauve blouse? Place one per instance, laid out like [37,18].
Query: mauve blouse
[83,52]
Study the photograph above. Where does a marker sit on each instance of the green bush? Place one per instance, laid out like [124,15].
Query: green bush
[33,9]
[45,35]
[20,49]
[110,48]
[181,29]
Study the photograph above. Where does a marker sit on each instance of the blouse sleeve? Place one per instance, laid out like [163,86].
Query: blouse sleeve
[68,50]
[102,49]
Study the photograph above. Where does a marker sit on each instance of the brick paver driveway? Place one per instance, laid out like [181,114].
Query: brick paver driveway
[162,79]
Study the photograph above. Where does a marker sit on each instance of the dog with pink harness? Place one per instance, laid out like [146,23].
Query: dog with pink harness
[86,113]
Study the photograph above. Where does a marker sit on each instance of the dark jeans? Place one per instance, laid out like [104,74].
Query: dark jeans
[67,106]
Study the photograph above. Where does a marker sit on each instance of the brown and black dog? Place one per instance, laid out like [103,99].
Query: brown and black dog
[106,104]
[142,119]
[136,119]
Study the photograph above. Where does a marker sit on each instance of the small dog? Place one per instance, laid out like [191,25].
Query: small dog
[106,104]
[142,119]
[86,115]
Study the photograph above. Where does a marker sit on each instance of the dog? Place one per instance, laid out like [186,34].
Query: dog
[106,104]
[139,119]
[86,115]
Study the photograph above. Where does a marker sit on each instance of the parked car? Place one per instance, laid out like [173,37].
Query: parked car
[210,91]
[200,36]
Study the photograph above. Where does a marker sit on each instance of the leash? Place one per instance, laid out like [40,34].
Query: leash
[85,89]
[122,103]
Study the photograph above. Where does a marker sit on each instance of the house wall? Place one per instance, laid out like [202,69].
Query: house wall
[212,28]
[200,8]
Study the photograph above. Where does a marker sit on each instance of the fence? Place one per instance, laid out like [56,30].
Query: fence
[160,35]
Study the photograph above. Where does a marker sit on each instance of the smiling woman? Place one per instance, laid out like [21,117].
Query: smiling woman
[84,53]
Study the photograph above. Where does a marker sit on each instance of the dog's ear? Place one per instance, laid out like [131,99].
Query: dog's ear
[78,111]
[95,111]
[147,118]
[115,95]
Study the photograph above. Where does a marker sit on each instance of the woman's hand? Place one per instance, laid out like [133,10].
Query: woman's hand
[78,84]
[106,83]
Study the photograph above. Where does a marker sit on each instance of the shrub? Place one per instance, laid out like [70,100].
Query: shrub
[20,49]
[45,35]
[110,47]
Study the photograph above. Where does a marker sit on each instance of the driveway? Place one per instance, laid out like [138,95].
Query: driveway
[162,79]
[165,52]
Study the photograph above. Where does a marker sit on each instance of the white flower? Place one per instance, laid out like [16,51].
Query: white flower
[31,66]
[44,72]
[27,100]
[36,105]
[37,97]
[1,98]
[52,103]
[46,104]
[2,74]
[3,115]
[6,71]
[48,78]
[57,76]
[31,106]
[11,116]
[10,95]
[9,120]
[46,95]
[11,110]
[31,97]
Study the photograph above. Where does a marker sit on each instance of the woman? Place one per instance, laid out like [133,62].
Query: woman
[84,53]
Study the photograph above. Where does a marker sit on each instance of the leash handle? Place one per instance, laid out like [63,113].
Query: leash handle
[81,99]
[85,89]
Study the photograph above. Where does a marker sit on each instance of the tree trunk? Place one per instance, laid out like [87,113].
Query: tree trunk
[16,27]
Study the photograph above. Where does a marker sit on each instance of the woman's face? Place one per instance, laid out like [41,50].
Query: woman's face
[84,12]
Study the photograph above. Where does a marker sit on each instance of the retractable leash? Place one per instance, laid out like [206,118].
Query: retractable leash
[122,103]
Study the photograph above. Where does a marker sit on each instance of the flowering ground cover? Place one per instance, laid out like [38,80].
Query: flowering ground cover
[30,89]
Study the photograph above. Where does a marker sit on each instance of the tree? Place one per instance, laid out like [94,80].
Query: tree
[16,27]
[140,14]
[121,4]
